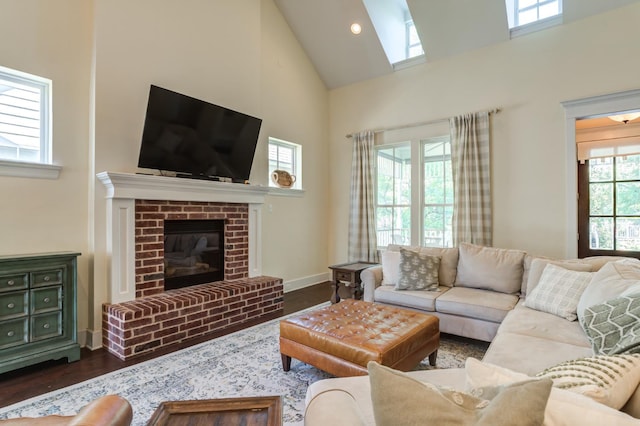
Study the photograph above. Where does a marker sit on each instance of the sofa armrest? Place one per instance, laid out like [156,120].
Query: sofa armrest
[371,278]
[333,407]
[109,410]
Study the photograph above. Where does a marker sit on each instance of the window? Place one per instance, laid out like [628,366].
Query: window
[438,193]
[24,117]
[414,47]
[420,214]
[393,200]
[285,156]
[609,206]
[527,16]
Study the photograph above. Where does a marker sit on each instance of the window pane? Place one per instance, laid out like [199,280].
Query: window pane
[20,127]
[434,183]
[548,10]
[601,233]
[526,3]
[628,168]
[403,182]
[384,225]
[628,198]
[600,199]
[601,169]
[402,226]
[527,17]
[628,234]
[434,221]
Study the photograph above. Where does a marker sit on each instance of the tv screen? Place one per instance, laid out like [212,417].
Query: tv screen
[193,137]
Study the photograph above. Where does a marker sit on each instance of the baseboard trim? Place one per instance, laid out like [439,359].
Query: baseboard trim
[90,339]
[306,281]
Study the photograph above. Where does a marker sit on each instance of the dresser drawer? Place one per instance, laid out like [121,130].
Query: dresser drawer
[343,276]
[45,326]
[14,304]
[50,277]
[46,299]
[13,332]
[14,282]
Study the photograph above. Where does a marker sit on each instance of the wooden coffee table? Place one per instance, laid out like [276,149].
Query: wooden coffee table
[250,411]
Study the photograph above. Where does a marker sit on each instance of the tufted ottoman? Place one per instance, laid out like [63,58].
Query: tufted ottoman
[342,338]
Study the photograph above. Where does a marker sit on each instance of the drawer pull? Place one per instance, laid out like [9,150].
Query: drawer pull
[11,282]
[46,325]
[46,278]
[46,300]
[11,305]
[11,333]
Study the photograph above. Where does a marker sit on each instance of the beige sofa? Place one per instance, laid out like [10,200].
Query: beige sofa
[524,340]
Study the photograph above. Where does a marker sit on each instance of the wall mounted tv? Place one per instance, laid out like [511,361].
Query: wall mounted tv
[196,138]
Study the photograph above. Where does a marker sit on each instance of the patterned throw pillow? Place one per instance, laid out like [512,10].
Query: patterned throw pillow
[613,327]
[418,271]
[610,380]
[558,291]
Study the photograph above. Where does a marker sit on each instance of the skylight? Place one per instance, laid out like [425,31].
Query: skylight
[394,26]
[533,15]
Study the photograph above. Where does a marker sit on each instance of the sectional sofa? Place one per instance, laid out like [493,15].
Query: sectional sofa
[532,310]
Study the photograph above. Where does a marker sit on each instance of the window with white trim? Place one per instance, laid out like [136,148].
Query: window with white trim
[527,16]
[25,117]
[285,156]
[418,214]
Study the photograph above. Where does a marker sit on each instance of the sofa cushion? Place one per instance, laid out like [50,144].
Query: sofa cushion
[418,271]
[613,279]
[417,299]
[558,291]
[490,268]
[607,379]
[390,267]
[448,261]
[563,407]
[538,264]
[613,327]
[476,303]
[399,399]
[530,322]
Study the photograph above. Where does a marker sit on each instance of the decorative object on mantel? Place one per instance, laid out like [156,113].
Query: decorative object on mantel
[282,178]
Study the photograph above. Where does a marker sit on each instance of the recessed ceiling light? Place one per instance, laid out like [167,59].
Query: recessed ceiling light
[356,28]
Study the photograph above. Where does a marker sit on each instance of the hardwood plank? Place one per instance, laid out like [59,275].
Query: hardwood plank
[35,380]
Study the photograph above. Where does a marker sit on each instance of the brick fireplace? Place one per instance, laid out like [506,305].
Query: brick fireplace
[141,315]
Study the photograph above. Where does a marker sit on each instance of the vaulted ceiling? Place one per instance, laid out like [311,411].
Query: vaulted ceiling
[446,28]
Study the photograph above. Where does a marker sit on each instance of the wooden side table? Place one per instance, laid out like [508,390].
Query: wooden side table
[349,275]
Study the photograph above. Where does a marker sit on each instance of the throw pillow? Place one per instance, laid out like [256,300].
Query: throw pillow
[538,264]
[613,327]
[490,268]
[398,399]
[610,380]
[390,267]
[563,408]
[448,260]
[610,282]
[418,271]
[558,291]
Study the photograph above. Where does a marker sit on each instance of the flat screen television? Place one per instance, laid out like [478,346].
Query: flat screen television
[197,139]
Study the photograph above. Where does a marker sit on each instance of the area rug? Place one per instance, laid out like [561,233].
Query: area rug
[241,364]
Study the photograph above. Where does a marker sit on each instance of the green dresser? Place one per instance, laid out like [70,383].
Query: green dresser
[38,309]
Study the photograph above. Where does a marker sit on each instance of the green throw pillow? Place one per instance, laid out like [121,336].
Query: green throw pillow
[401,400]
[418,271]
[613,327]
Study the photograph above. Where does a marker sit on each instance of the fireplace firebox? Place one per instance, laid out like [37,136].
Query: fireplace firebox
[193,252]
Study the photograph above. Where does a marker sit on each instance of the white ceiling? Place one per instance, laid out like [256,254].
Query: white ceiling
[446,28]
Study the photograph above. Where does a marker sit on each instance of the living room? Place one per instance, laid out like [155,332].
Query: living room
[102,55]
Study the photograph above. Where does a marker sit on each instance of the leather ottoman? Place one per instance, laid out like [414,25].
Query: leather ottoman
[342,338]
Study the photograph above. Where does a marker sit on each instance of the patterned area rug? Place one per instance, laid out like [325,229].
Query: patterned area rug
[245,363]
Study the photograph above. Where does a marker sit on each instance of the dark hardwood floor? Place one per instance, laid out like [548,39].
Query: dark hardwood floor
[35,380]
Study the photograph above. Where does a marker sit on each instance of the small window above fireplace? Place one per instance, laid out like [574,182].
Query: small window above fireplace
[193,252]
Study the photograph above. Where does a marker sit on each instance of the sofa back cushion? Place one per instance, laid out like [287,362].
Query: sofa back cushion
[490,268]
[448,261]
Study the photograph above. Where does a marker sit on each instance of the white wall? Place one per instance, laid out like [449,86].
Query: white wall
[52,40]
[528,78]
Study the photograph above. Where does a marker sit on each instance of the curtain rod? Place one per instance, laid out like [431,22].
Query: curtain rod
[422,123]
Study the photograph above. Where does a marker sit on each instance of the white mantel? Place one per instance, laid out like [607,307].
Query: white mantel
[124,188]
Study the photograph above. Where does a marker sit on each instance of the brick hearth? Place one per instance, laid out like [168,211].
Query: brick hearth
[143,325]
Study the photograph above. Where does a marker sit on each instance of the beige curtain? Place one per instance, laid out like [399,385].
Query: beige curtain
[362,226]
[470,160]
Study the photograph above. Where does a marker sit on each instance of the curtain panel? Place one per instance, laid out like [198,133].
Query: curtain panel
[471,164]
[363,244]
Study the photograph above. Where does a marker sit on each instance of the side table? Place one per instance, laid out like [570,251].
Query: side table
[349,275]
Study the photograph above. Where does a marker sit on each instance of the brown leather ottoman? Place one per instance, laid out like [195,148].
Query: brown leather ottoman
[342,338]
